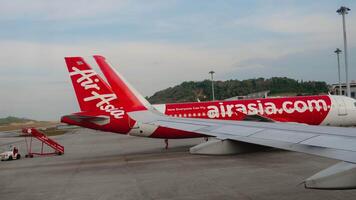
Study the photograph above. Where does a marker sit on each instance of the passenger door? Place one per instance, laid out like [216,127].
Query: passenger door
[341,105]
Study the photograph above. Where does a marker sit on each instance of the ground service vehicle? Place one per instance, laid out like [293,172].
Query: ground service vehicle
[11,154]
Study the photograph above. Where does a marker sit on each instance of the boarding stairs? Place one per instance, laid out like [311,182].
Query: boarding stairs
[33,133]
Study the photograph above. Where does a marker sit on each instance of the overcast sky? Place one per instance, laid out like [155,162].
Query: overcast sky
[157,44]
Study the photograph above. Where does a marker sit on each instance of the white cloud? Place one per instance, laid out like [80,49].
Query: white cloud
[317,29]
[40,68]
[136,57]
[69,10]
[57,10]
[36,82]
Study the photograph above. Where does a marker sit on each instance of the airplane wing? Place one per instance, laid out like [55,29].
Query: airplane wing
[331,142]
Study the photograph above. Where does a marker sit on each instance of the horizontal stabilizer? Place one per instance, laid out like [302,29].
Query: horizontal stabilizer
[82,117]
[337,177]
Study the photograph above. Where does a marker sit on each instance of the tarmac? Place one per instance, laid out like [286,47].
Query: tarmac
[98,165]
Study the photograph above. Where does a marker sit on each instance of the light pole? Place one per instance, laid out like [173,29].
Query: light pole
[212,83]
[343,11]
[338,51]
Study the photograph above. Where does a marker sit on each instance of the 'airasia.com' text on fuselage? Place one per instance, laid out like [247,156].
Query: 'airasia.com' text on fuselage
[308,109]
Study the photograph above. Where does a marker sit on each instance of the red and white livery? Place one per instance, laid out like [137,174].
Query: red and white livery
[313,110]
[104,107]
[121,109]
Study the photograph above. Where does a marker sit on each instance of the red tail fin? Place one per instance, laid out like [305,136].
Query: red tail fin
[93,93]
[129,98]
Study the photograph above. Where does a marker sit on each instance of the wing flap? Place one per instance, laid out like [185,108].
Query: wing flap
[243,131]
[336,142]
[257,118]
[284,136]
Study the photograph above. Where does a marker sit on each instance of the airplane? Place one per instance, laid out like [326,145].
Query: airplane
[330,110]
[125,111]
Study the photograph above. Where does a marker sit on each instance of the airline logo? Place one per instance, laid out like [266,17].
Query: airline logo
[89,80]
[266,108]
[307,109]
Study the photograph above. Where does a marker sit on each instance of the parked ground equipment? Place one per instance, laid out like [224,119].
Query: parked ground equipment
[36,134]
[11,154]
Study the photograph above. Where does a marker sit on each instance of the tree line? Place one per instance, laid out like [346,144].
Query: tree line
[189,91]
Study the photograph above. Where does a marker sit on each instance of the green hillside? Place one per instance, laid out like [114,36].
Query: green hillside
[191,91]
[10,119]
